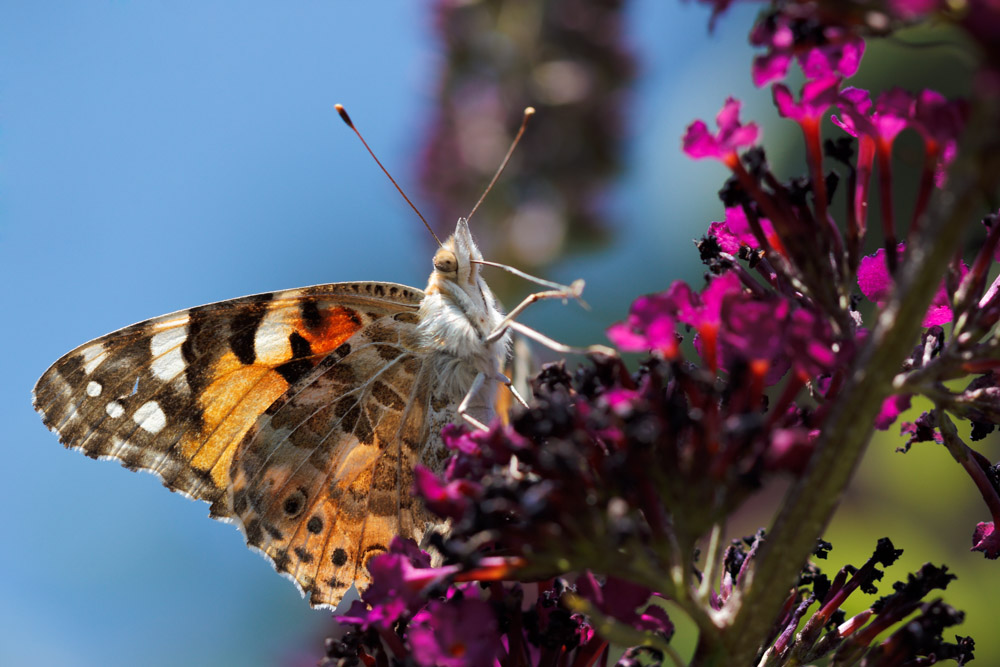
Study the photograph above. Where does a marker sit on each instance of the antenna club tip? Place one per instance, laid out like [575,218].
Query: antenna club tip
[529,111]
[343,114]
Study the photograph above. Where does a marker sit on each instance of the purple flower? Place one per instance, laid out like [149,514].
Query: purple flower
[817,96]
[841,56]
[454,633]
[479,448]
[790,449]
[616,597]
[882,122]
[732,135]
[780,40]
[924,429]
[820,51]
[986,539]
[459,439]
[621,400]
[704,313]
[876,283]
[892,407]
[736,231]
[650,325]
[448,500]
[381,616]
[939,121]
[655,619]
[855,105]
[753,331]
[398,580]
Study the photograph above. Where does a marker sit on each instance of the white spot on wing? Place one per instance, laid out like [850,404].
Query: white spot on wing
[93,356]
[114,409]
[270,343]
[168,362]
[94,388]
[150,417]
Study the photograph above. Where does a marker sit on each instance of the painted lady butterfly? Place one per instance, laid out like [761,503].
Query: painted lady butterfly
[298,415]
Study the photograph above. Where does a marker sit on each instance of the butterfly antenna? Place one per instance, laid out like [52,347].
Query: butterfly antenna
[347,119]
[528,113]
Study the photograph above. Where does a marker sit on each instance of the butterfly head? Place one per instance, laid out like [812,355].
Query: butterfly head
[454,266]
[459,309]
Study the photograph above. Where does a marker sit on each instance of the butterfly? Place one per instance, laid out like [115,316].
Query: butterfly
[298,415]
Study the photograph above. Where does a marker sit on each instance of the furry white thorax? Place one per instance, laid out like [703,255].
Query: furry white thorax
[457,313]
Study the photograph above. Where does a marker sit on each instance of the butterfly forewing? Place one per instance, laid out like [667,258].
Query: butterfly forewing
[175,395]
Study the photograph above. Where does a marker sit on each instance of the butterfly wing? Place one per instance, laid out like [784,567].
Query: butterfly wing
[323,481]
[176,395]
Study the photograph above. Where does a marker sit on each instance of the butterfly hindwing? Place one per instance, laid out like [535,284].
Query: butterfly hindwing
[175,395]
[322,482]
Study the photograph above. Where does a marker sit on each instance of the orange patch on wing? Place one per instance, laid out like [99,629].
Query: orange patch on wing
[239,394]
[231,405]
[338,325]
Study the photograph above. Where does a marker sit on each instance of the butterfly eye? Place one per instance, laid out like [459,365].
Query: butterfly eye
[445,262]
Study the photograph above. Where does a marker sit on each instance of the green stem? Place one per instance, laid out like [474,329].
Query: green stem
[810,502]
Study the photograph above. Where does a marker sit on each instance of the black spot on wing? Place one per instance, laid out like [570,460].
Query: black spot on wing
[386,351]
[294,503]
[387,396]
[255,534]
[294,370]
[244,331]
[303,555]
[174,402]
[309,311]
[241,501]
[348,412]
[192,347]
[300,346]
[281,560]
[363,429]
[339,557]
[71,366]
[300,364]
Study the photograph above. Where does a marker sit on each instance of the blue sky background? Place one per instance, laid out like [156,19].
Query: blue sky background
[156,156]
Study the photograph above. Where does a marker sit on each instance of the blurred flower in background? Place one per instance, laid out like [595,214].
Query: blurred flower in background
[568,59]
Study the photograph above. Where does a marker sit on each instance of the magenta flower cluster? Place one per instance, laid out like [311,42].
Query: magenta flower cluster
[565,532]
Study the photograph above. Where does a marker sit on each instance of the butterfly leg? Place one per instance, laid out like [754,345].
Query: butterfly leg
[463,407]
[565,292]
[556,346]
[507,382]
